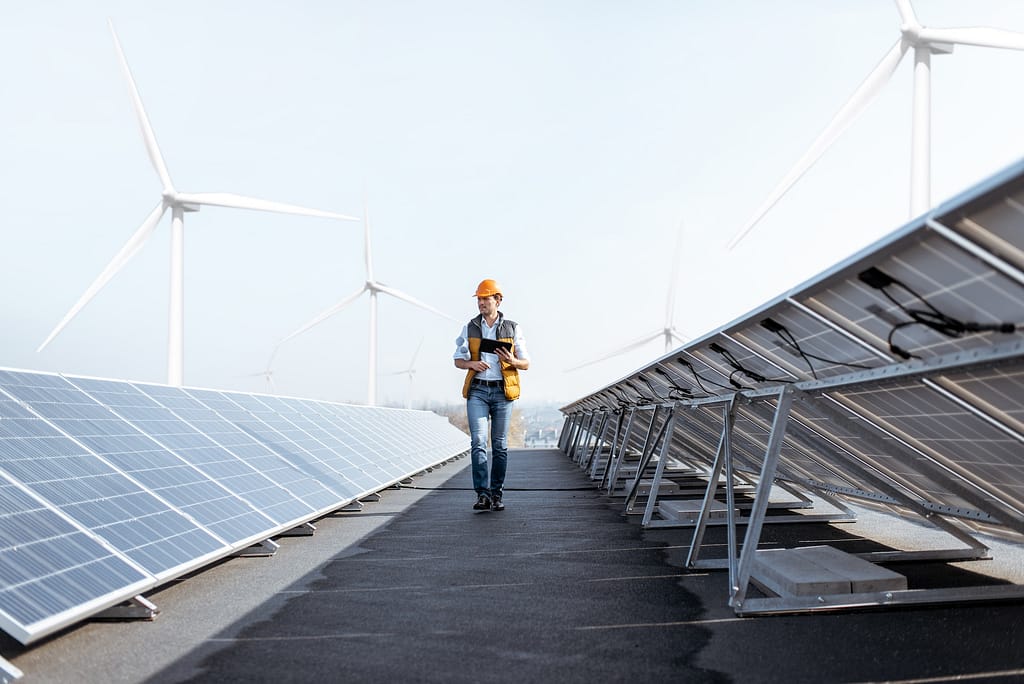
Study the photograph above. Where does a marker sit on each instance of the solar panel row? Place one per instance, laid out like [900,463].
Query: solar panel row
[109,488]
[904,365]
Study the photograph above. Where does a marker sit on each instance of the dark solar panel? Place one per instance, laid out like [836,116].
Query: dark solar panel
[108,488]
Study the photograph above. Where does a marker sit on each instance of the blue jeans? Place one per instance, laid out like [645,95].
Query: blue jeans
[488,403]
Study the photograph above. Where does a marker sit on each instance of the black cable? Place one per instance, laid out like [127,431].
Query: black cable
[930,317]
[739,368]
[651,387]
[684,393]
[698,378]
[789,338]
[734,382]
[507,489]
[624,400]
[638,393]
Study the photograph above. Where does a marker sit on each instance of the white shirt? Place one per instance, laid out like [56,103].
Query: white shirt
[488,332]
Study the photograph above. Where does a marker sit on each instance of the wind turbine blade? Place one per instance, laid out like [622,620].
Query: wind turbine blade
[861,98]
[325,315]
[140,112]
[123,256]
[670,304]
[227,199]
[622,350]
[412,364]
[367,249]
[678,336]
[907,16]
[398,294]
[982,36]
[273,355]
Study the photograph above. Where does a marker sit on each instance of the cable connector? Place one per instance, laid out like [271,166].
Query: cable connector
[900,352]
[875,278]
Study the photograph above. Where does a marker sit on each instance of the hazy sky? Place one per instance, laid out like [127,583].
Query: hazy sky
[555,145]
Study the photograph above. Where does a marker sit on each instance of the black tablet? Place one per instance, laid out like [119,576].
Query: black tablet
[491,346]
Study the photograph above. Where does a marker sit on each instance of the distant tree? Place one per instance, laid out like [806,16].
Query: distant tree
[456,415]
[517,430]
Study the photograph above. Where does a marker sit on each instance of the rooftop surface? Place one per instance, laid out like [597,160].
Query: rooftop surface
[561,586]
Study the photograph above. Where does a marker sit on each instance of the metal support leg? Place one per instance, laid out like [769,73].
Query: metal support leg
[8,673]
[136,608]
[741,570]
[598,443]
[266,547]
[578,436]
[712,488]
[611,475]
[648,453]
[659,472]
[595,463]
[563,436]
[303,530]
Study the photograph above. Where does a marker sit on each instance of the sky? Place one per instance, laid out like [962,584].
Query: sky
[559,146]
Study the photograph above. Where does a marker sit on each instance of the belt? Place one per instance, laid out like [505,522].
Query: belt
[489,383]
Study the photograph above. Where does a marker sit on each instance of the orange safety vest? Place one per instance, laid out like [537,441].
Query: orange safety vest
[505,332]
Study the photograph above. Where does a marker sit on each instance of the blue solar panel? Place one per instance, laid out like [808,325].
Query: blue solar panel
[48,566]
[164,474]
[396,437]
[108,488]
[341,448]
[240,462]
[275,433]
[89,489]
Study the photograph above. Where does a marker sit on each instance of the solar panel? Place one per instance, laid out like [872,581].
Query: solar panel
[898,373]
[292,444]
[109,488]
[244,490]
[88,488]
[341,449]
[49,566]
[309,494]
[120,424]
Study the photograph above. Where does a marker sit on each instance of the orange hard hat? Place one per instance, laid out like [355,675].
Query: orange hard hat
[487,288]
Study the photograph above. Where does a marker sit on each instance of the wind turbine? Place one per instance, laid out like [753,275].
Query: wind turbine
[669,333]
[374,287]
[411,373]
[267,374]
[924,42]
[178,203]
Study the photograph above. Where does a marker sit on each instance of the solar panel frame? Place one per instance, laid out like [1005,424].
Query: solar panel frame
[315,499]
[234,476]
[76,576]
[139,516]
[906,398]
[265,425]
[135,442]
[88,508]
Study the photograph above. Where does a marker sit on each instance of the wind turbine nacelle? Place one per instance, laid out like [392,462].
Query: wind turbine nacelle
[170,198]
[941,48]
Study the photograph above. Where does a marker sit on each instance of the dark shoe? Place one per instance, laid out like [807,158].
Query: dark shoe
[483,503]
[496,504]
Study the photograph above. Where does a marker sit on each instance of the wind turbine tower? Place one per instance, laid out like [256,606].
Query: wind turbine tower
[374,287]
[923,42]
[178,203]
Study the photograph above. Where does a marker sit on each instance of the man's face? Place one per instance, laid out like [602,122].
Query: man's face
[488,306]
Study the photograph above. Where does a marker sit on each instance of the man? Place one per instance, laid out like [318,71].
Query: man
[492,351]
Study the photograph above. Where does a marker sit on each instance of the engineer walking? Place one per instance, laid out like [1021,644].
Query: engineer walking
[492,351]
